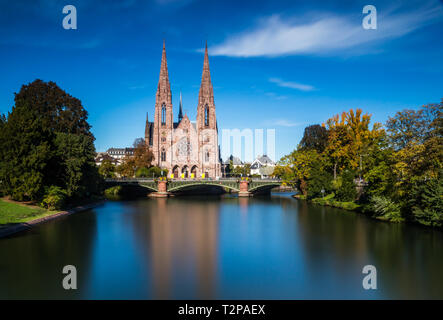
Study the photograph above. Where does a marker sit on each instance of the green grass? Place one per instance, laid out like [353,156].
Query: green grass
[329,201]
[18,213]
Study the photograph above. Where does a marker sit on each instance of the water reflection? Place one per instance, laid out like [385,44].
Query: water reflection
[179,241]
[31,263]
[221,248]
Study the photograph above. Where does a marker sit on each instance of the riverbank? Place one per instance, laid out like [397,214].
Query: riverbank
[16,216]
[329,201]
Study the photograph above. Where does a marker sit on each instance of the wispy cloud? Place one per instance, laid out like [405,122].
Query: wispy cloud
[292,85]
[324,34]
[286,123]
[275,96]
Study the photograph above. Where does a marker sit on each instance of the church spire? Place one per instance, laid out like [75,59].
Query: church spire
[180,110]
[206,93]
[164,87]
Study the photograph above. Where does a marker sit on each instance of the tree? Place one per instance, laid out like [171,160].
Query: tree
[426,201]
[346,189]
[319,180]
[45,141]
[349,138]
[417,140]
[315,137]
[339,141]
[107,169]
[127,168]
[143,156]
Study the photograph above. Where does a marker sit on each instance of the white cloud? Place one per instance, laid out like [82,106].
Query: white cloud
[286,123]
[292,85]
[325,34]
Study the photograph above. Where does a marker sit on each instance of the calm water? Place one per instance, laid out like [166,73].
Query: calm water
[221,248]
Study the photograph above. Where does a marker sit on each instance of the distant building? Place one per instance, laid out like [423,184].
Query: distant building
[114,155]
[236,162]
[120,153]
[262,166]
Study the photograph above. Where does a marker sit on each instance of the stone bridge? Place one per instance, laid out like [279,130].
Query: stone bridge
[165,188]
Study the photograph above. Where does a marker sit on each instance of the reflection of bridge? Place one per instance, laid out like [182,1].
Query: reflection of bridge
[163,188]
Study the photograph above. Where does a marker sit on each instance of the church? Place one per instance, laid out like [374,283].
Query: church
[187,149]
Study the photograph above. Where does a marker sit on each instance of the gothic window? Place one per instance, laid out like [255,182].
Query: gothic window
[207,156]
[206,115]
[163,155]
[163,114]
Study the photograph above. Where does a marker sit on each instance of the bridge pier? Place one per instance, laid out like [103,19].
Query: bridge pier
[244,189]
[162,190]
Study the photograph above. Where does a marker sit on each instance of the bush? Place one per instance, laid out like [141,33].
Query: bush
[157,172]
[54,198]
[113,192]
[346,189]
[142,173]
[386,209]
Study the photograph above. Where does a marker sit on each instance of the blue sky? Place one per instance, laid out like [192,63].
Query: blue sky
[274,64]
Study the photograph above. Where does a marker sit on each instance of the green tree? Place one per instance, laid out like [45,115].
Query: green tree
[315,137]
[319,180]
[346,190]
[142,172]
[427,201]
[45,141]
[107,169]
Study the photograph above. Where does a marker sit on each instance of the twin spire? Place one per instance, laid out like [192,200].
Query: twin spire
[206,90]
[206,93]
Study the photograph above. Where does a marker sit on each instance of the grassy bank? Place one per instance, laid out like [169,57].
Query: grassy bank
[330,201]
[13,212]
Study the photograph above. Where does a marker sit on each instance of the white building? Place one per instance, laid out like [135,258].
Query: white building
[262,166]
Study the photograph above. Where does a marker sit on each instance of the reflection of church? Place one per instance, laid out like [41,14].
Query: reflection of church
[184,147]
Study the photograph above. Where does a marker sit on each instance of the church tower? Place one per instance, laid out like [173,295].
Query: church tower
[207,124]
[163,121]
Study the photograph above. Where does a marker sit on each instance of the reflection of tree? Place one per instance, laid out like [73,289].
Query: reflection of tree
[31,262]
[180,236]
[339,243]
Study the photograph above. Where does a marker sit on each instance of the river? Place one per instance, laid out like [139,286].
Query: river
[225,247]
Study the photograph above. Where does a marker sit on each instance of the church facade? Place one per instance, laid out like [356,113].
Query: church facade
[185,148]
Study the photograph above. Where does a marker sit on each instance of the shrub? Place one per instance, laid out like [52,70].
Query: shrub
[142,173]
[156,172]
[113,192]
[385,208]
[54,198]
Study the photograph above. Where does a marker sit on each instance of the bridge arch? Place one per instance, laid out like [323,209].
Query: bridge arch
[183,185]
